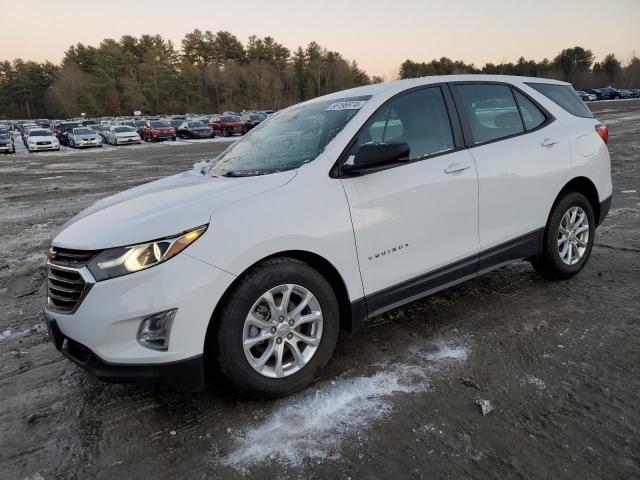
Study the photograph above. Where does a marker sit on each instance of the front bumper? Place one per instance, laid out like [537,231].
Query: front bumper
[83,144]
[185,374]
[107,320]
[39,148]
[127,141]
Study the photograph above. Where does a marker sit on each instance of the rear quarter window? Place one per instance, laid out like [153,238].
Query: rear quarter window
[565,97]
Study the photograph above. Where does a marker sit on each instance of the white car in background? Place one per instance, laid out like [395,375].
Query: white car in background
[121,135]
[334,210]
[39,139]
[83,137]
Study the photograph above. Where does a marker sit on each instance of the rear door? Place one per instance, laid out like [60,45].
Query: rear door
[522,156]
[415,218]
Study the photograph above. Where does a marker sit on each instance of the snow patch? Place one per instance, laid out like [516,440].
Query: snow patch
[314,425]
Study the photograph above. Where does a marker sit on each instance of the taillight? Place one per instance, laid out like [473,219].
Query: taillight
[603,132]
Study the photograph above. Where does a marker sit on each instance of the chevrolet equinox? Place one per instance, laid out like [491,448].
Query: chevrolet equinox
[331,211]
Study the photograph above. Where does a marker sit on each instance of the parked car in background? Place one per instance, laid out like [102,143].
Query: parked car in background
[228,125]
[609,93]
[195,129]
[585,96]
[7,145]
[156,130]
[62,129]
[624,93]
[253,119]
[139,125]
[121,135]
[83,137]
[39,139]
[24,132]
[635,92]
[176,121]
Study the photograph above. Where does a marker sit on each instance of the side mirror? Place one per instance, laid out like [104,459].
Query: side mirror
[373,155]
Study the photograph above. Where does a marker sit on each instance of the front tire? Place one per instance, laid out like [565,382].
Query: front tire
[277,329]
[568,238]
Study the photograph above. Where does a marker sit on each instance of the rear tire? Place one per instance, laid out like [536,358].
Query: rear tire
[568,238]
[233,327]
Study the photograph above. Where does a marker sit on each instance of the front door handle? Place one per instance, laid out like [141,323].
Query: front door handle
[457,167]
[548,142]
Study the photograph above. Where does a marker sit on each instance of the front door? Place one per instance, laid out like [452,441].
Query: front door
[418,217]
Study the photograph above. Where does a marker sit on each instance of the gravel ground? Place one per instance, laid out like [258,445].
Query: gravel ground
[558,362]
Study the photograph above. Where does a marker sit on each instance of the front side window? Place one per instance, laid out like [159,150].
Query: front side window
[532,116]
[491,111]
[418,118]
[288,140]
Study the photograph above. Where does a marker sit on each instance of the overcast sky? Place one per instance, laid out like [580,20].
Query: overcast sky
[379,35]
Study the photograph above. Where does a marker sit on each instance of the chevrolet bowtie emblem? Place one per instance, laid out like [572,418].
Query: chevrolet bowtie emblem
[51,254]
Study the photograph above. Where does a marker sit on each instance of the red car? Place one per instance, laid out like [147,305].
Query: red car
[228,125]
[155,130]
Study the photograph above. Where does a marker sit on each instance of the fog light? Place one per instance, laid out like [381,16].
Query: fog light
[155,330]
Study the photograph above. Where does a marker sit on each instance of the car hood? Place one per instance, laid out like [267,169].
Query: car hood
[5,141]
[126,134]
[159,209]
[88,136]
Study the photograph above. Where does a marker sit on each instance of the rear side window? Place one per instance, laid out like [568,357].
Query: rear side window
[531,115]
[491,111]
[419,118]
[564,96]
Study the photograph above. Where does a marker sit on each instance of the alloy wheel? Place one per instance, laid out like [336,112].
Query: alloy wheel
[282,331]
[573,235]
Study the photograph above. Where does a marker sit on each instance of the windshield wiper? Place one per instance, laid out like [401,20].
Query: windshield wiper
[234,174]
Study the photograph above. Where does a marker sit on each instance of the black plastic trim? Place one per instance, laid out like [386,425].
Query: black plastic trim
[185,375]
[525,246]
[605,205]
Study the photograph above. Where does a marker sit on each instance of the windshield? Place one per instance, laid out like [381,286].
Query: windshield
[82,131]
[230,119]
[41,133]
[160,124]
[123,129]
[195,124]
[140,123]
[256,118]
[289,139]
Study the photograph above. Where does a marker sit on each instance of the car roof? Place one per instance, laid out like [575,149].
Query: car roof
[398,86]
[40,130]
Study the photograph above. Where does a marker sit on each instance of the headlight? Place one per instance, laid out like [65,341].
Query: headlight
[119,261]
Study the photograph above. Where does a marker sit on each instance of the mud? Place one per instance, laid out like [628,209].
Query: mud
[559,362]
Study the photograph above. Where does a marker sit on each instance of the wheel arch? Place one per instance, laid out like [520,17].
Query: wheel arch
[349,317]
[584,186]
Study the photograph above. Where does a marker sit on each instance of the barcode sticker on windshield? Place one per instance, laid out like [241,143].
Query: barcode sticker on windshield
[352,105]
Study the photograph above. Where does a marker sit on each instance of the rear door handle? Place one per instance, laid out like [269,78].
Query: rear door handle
[547,142]
[457,167]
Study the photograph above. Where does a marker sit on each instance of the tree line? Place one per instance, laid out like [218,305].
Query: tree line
[575,65]
[214,72]
[210,72]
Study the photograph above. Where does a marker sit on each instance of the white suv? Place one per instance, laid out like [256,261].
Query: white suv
[333,210]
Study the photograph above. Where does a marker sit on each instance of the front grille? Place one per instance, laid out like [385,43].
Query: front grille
[66,286]
[70,258]
[43,143]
